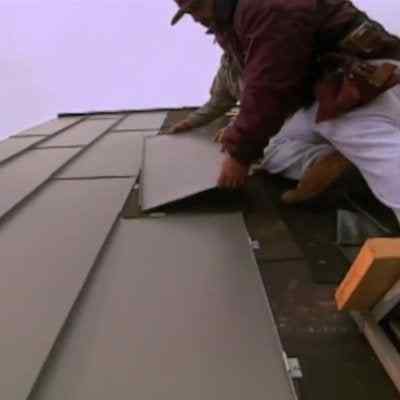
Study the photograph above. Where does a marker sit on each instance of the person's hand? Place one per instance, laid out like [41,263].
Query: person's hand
[179,127]
[233,174]
[219,136]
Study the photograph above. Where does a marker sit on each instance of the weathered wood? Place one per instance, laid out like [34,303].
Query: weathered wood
[373,273]
[395,327]
[382,346]
[389,301]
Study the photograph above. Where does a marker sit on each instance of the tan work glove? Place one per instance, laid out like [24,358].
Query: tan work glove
[179,127]
[219,135]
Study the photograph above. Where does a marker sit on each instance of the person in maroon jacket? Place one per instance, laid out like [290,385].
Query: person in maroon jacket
[326,62]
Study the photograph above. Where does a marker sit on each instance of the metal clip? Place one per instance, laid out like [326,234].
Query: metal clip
[254,244]
[293,367]
[157,215]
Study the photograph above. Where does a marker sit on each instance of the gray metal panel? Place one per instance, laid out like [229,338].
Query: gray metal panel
[106,116]
[11,146]
[112,156]
[50,127]
[47,250]
[81,134]
[178,166]
[139,132]
[23,175]
[143,120]
[176,310]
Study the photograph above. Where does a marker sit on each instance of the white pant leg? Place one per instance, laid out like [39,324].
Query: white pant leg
[295,147]
[369,137]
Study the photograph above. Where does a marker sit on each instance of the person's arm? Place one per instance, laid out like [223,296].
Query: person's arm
[219,103]
[275,74]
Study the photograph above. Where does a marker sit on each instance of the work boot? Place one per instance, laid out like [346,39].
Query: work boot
[318,177]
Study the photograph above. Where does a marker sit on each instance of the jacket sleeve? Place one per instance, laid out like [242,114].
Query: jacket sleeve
[277,61]
[221,101]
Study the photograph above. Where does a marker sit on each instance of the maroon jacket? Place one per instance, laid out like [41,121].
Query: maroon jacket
[276,43]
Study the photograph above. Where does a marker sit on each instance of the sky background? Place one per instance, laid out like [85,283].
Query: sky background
[82,55]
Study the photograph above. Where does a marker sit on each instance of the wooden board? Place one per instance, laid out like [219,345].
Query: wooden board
[382,346]
[373,273]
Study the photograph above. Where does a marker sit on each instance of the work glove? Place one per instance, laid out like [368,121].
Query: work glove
[179,127]
[219,136]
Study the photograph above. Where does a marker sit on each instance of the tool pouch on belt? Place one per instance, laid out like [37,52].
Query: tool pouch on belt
[351,84]
[347,80]
[371,41]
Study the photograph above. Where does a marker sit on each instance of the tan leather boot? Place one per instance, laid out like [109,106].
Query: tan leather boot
[319,177]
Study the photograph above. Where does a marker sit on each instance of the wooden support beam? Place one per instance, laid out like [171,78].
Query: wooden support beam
[374,272]
[395,327]
[382,346]
[387,303]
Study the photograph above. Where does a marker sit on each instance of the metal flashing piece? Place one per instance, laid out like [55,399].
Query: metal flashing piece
[23,175]
[47,251]
[143,120]
[175,310]
[139,132]
[115,117]
[179,166]
[12,147]
[50,127]
[111,156]
[82,134]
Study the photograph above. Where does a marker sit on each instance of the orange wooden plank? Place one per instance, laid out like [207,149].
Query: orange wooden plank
[373,273]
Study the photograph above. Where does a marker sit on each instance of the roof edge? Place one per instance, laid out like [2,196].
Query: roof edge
[90,113]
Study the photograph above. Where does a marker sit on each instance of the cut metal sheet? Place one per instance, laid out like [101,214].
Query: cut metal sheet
[139,132]
[179,166]
[106,116]
[50,127]
[111,156]
[80,135]
[21,176]
[47,251]
[143,120]
[176,310]
[14,146]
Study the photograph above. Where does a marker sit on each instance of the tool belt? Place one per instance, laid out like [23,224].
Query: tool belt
[348,79]
[369,40]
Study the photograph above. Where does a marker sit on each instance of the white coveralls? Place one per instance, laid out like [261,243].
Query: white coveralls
[368,136]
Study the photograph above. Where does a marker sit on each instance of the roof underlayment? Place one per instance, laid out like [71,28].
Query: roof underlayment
[94,306]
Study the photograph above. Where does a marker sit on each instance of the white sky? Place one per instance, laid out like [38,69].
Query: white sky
[80,55]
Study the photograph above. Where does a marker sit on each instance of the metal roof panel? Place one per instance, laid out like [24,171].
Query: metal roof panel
[178,166]
[143,120]
[82,134]
[47,251]
[112,156]
[175,311]
[21,176]
[50,127]
[14,146]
